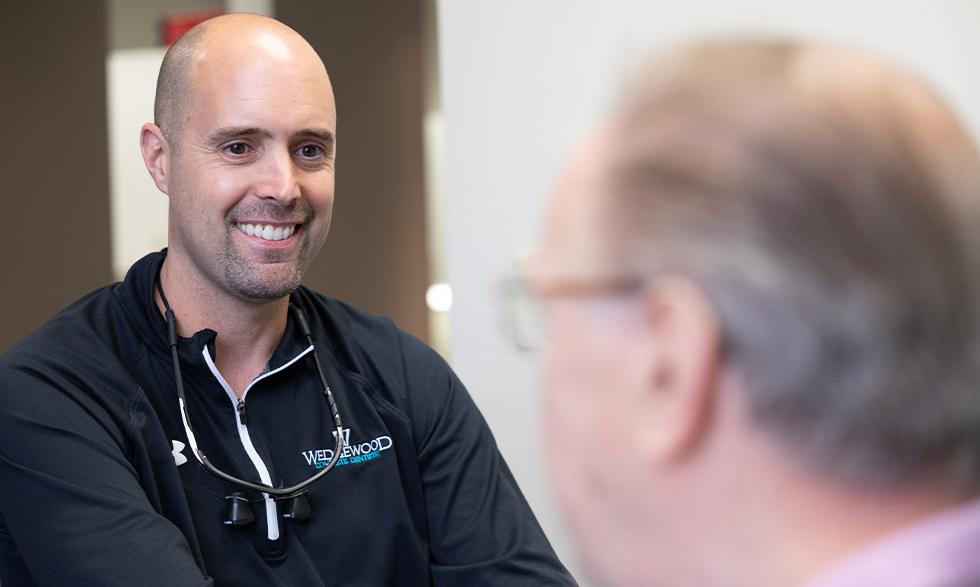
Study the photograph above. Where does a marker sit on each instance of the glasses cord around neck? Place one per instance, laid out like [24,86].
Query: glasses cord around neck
[279,492]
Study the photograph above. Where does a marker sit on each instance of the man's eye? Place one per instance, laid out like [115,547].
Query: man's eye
[310,151]
[237,148]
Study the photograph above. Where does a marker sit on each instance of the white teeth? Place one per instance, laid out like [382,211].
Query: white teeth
[267,232]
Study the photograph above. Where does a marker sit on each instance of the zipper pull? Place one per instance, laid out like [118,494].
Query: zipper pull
[241,412]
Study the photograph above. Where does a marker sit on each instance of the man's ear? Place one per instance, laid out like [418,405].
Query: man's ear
[156,154]
[683,365]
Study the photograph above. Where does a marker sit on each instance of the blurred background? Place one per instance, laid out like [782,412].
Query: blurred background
[454,118]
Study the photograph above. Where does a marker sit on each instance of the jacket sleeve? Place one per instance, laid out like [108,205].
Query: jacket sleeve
[72,509]
[482,531]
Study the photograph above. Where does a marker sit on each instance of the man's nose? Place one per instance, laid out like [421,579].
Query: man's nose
[278,178]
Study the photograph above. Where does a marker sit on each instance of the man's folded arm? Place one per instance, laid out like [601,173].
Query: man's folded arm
[72,509]
[482,530]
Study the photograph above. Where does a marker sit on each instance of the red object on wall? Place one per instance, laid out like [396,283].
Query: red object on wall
[176,25]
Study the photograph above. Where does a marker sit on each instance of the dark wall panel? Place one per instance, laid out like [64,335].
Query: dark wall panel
[375,256]
[53,160]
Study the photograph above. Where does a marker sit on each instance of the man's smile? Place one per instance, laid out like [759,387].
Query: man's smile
[269,232]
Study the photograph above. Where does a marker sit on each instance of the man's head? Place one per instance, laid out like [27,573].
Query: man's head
[784,245]
[243,144]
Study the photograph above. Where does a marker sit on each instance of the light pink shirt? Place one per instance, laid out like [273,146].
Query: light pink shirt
[940,551]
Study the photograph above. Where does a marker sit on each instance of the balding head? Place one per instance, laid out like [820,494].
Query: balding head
[763,300]
[795,93]
[827,203]
[228,41]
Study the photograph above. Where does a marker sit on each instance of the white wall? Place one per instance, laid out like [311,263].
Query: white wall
[138,209]
[522,79]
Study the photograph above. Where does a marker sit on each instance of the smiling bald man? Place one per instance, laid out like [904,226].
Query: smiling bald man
[209,421]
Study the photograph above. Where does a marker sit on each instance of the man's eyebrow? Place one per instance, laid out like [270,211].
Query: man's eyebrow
[232,132]
[314,133]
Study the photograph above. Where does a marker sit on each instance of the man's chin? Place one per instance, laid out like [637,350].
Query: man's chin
[264,285]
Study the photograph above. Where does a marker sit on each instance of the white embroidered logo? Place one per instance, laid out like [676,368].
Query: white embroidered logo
[356,452]
[178,458]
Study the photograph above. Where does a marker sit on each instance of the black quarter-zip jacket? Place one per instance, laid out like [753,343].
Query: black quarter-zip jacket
[98,486]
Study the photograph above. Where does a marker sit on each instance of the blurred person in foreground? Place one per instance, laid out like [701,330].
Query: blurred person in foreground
[760,286]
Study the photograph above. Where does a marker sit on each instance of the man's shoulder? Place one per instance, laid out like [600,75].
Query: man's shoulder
[345,325]
[73,325]
[343,314]
[370,344]
[77,344]
[108,319]
[69,374]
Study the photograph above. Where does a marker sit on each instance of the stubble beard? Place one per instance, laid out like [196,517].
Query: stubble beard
[249,280]
[256,280]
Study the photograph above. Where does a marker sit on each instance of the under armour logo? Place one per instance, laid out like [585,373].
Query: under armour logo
[178,458]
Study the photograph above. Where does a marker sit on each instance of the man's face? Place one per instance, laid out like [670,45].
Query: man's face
[251,181]
[592,379]
[595,378]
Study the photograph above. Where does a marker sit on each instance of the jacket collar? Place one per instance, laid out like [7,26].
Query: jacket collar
[136,294]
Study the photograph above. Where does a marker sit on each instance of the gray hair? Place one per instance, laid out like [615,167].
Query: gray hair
[828,206]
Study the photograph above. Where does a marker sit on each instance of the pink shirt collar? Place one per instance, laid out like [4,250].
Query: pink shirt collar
[942,550]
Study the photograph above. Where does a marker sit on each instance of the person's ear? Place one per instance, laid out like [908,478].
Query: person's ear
[156,154]
[683,364]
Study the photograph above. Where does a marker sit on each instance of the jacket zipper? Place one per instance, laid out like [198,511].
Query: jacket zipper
[272,519]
